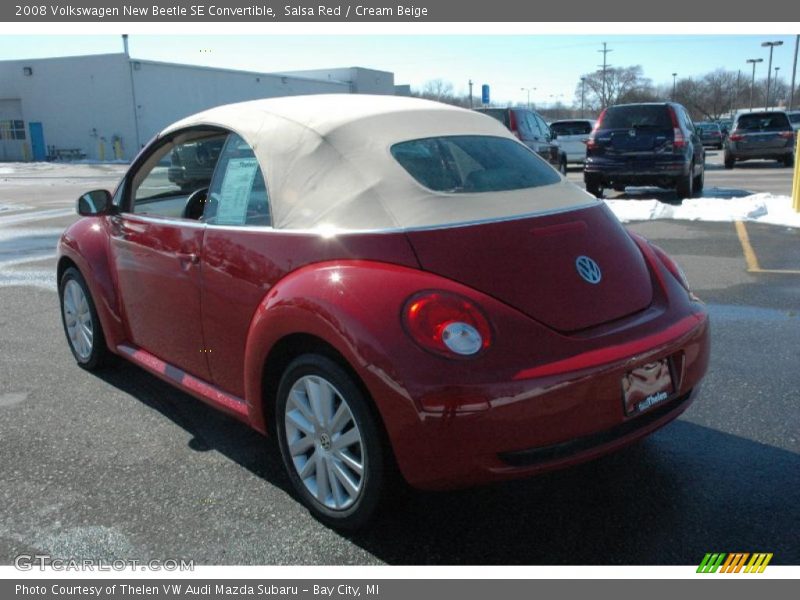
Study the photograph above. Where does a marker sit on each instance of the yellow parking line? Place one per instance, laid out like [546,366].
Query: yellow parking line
[750,254]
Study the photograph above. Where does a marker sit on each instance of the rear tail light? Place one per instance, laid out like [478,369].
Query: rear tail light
[591,143]
[446,324]
[672,266]
[735,137]
[787,135]
[512,124]
[678,141]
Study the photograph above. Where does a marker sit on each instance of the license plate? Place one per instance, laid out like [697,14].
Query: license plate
[647,386]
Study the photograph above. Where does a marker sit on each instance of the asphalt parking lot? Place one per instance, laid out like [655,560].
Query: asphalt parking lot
[120,465]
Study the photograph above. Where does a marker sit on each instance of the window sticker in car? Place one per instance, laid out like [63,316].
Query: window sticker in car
[235,193]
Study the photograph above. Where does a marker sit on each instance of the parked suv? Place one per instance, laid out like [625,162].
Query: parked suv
[644,144]
[760,134]
[531,129]
[710,134]
[572,135]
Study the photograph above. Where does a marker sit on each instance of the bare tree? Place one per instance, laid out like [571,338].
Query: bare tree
[622,84]
[437,89]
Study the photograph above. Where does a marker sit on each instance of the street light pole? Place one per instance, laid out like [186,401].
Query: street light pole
[775,86]
[674,82]
[794,70]
[771,46]
[470,93]
[583,94]
[754,61]
[529,94]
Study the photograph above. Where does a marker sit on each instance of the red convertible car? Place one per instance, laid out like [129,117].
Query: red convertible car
[386,285]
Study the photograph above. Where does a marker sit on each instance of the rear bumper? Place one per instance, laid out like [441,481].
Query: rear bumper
[549,419]
[740,153]
[635,172]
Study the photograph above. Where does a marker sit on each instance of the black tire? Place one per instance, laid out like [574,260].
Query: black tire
[370,448]
[685,185]
[593,186]
[618,187]
[699,182]
[98,353]
[562,165]
[788,160]
[729,161]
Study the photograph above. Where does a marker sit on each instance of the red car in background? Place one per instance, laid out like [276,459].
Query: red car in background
[385,284]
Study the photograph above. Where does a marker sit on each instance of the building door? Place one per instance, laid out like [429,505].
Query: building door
[12,130]
[38,149]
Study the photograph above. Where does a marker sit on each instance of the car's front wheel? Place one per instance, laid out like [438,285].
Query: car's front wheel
[81,324]
[329,441]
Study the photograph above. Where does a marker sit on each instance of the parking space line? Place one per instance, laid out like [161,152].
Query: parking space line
[750,254]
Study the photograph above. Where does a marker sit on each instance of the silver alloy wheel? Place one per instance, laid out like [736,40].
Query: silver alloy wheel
[78,318]
[324,442]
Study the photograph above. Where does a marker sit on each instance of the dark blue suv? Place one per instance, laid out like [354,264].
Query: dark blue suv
[645,144]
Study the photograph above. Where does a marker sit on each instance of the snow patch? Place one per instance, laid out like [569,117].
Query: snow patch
[757,208]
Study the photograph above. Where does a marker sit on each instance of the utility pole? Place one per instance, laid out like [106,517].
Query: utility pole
[604,66]
[775,87]
[674,83]
[470,93]
[583,94]
[771,46]
[794,70]
[754,61]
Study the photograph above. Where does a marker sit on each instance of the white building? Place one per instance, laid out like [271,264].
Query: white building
[109,105]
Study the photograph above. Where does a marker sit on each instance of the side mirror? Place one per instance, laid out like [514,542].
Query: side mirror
[95,203]
[553,135]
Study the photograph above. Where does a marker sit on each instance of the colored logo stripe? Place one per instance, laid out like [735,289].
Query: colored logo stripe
[734,562]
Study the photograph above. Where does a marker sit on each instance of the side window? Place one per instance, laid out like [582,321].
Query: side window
[238,194]
[176,170]
[544,127]
[533,126]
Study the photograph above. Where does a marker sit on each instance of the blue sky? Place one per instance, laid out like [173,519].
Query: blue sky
[550,63]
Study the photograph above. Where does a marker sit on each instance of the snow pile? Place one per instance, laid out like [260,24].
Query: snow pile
[758,208]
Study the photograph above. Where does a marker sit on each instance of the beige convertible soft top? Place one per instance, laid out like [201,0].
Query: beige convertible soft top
[327,163]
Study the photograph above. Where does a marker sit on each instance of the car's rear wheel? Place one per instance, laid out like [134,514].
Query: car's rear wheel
[788,160]
[81,324]
[729,161]
[329,441]
[685,185]
[562,165]
[594,186]
[699,182]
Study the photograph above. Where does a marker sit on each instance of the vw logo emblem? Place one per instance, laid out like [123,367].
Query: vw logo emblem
[588,269]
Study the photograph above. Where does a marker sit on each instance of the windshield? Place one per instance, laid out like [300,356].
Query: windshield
[473,164]
[643,116]
[776,121]
[572,128]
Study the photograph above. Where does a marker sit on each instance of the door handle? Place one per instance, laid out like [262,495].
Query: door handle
[188,257]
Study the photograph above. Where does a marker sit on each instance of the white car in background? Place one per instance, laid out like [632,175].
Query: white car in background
[571,136]
[794,118]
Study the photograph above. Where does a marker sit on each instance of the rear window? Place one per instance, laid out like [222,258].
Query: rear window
[707,127]
[572,128]
[767,121]
[637,117]
[501,114]
[473,164]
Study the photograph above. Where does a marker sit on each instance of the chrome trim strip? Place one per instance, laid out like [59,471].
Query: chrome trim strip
[337,232]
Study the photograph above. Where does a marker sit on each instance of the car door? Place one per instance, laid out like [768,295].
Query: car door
[156,248]
[236,256]
[697,143]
